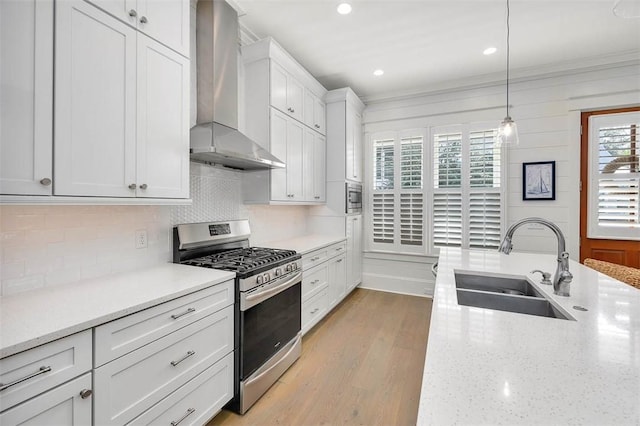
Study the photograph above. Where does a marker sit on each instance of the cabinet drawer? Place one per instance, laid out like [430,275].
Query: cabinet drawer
[336,249]
[60,406]
[314,258]
[197,401]
[119,337]
[131,384]
[44,367]
[313,280]
[314,309]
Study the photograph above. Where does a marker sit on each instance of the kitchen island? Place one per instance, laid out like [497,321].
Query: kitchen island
[486,366]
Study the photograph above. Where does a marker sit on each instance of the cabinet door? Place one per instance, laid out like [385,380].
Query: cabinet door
[166,21]
[353,145]
[286,142]
[309,108]
[337,280]
[308,166]
[95,103]
[26,97]
[294,159]
[279,87]
[295,94]
[278,136]
[162,121]
[125,10]
[319,168]
[354,251]
[60,406]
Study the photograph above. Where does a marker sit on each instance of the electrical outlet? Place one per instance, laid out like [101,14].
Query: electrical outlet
[141,238]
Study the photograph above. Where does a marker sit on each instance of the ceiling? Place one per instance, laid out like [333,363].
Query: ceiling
[430,45]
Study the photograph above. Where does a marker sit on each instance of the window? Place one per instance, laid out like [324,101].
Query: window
[397,199]
[614,196]
[448,193]
[467,195]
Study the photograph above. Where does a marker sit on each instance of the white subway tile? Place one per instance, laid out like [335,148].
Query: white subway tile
[12,270]
[18,285]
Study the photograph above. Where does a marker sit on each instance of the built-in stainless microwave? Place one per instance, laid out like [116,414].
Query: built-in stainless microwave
[353,193]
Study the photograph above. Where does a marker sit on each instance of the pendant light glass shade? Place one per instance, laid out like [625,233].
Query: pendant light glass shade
[508,131]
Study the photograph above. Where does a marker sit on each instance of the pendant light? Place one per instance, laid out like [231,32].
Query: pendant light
[507,132]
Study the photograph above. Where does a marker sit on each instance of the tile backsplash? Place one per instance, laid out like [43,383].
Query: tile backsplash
[44,246]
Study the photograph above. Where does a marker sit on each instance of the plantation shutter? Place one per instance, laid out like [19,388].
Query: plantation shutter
[614,194]
[447,190]
[485,210]
[397,198]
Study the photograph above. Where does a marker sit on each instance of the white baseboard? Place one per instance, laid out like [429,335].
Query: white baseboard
[399,285]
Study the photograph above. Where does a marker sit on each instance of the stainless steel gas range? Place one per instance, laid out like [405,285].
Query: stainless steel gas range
[268,301]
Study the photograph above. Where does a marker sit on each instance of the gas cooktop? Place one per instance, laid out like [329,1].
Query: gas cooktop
[244,260]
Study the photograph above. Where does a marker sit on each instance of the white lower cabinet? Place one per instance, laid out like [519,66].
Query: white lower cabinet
[197,401]
[354,251]
[337,271]
[68,404]
[135,382]
[324,282]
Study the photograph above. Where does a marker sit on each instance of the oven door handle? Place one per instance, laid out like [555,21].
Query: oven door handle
[253,299]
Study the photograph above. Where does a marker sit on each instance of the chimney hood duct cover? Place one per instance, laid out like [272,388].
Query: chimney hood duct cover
[216,138]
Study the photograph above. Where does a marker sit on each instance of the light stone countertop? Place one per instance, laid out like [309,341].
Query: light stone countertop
[305,244]
[40,316]
[486,366]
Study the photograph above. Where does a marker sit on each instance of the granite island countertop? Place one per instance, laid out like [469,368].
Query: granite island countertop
[487,366]
[40,316]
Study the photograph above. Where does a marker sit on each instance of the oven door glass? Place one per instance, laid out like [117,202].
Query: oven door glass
[267,327]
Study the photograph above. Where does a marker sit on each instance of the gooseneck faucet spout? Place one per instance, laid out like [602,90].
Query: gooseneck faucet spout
[562,278]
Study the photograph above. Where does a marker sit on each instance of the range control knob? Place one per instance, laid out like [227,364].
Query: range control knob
[277,272]
[288,268]
[294,266]
[259,280]
[267,277]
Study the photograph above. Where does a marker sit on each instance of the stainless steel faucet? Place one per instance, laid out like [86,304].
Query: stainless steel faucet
[562,278]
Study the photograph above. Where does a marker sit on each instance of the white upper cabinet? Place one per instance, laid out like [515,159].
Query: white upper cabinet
[122,109]
[287,141]
[166,21]
[285,113]
[314,169]
[162,122]
[344,135]
[95,103]
[314,112]
[26,97]
[286,92]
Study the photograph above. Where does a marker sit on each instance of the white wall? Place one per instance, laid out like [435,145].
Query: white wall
[547,111]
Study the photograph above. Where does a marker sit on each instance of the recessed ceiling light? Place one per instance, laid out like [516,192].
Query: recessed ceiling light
[344,8]
[378,73]
[490,51]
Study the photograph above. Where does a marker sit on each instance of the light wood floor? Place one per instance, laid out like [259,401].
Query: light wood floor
[362,365]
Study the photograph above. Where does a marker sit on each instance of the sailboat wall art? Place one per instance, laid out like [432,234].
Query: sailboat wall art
[539,180]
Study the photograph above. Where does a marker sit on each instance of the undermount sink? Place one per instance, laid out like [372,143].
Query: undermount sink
[504,293]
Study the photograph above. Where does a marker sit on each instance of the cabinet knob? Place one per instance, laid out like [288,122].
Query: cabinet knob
[143,20]
[133,13]
[132,186]
[45,181]
[85,393]
[143,186]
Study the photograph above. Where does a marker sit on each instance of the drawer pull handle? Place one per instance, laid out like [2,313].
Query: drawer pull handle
[190,353]
[315,282]
[190,411]
[188,311]
[339,260]
[315,310]
[40,371]
[338,248]
[313,259]
[85,393]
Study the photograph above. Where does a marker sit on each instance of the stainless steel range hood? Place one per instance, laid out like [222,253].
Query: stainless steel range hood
[215,139]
